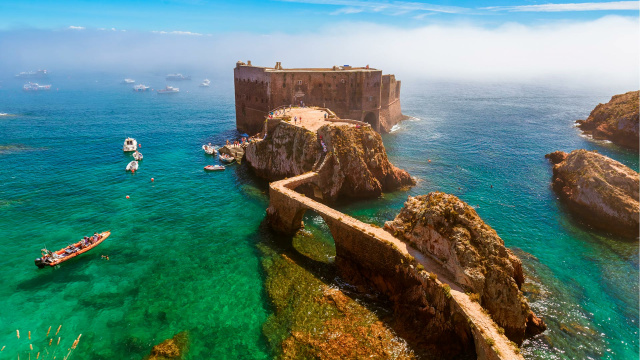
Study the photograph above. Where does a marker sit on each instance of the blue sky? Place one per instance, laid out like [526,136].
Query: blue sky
[594,42]
[291,16]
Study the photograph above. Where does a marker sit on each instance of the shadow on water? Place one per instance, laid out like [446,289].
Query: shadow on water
[64,273]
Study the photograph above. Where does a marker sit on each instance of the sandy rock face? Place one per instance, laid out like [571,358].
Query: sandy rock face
[355,164]
[449,230]
[600,190]
[616,120]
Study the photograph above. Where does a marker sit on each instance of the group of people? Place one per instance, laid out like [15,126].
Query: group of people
[237,143]
[87,241]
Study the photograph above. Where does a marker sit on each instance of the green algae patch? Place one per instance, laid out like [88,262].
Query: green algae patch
[313,317]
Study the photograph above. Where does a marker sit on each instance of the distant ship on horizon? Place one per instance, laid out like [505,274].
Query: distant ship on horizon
[33,74]
[178,77]
[35,87]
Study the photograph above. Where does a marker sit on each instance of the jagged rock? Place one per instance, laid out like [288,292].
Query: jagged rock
[170,349]
[556,157]
[355,164]
[600,190]
[616,120]
[449,230]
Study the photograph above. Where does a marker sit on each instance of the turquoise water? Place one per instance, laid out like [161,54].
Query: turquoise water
[183,252]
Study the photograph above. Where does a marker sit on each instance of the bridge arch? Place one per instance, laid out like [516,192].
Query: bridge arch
[372,120]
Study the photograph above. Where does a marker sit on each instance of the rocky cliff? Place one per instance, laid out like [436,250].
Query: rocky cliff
[449,230]
[616,120]
[598,189]
[354,165]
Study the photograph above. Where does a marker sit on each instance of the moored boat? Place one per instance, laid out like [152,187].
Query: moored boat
[132,166]
[137,155]
[130,144]
[49,258]
[209,149]
[214,167]
[226,158]
[140,88]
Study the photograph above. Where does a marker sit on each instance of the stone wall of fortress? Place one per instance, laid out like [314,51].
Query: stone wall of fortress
[352,93]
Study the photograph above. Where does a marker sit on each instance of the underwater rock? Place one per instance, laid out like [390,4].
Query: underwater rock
[170,349]
[448,229]
[616,120]
[599,190]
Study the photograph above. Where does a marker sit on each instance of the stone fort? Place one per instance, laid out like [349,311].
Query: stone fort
[357,93]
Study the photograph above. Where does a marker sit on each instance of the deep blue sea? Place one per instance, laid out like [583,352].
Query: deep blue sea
[183,251]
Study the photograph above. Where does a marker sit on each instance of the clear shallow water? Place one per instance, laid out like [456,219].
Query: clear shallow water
[183,250]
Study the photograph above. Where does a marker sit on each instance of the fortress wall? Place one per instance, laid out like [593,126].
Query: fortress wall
[390,111]
[353,93]
[252,98]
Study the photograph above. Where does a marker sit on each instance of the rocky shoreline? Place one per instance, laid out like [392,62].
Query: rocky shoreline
[448,229]
[598,190]
[616,121]
[356,163]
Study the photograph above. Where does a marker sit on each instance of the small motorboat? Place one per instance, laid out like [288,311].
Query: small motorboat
[205,83]
[132,166]
[137,155]
[128,81]
[226,158]
[130,144]
[213,167]
[209,149]
[140,88]
[169,90]
[54,258]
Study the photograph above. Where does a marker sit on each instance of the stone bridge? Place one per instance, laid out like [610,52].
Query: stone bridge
[374,249]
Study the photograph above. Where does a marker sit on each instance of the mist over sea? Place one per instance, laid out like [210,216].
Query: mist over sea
[183,250]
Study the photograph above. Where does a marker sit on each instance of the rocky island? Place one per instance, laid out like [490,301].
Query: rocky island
[350,156]
[448,229]
[599,190]
[616,120]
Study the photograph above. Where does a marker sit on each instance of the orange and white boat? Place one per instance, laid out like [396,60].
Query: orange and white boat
[57,257]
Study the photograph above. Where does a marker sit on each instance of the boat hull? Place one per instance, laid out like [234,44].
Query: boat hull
[40,263]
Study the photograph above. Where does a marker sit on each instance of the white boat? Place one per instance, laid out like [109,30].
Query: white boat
[226,158]
[205,83]
[32,74]
[140,88]
[211,150]
[178,77]
[128,81]
[132,166]
[137,155]
[214,167]
[169,90]
[35,87]
[130,144]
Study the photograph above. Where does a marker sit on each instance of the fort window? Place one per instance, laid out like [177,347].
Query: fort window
[299,82]
[370,98]
[342,81]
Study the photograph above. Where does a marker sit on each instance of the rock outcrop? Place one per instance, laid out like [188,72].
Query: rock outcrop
[171,349]
[355,163]
[599,190]
[616,120]
[449,230]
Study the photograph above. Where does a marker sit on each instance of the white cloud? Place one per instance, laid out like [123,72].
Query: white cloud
[177,33]
[394,7]
[602,6]
[602,51]
[347,10]
[76,27]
